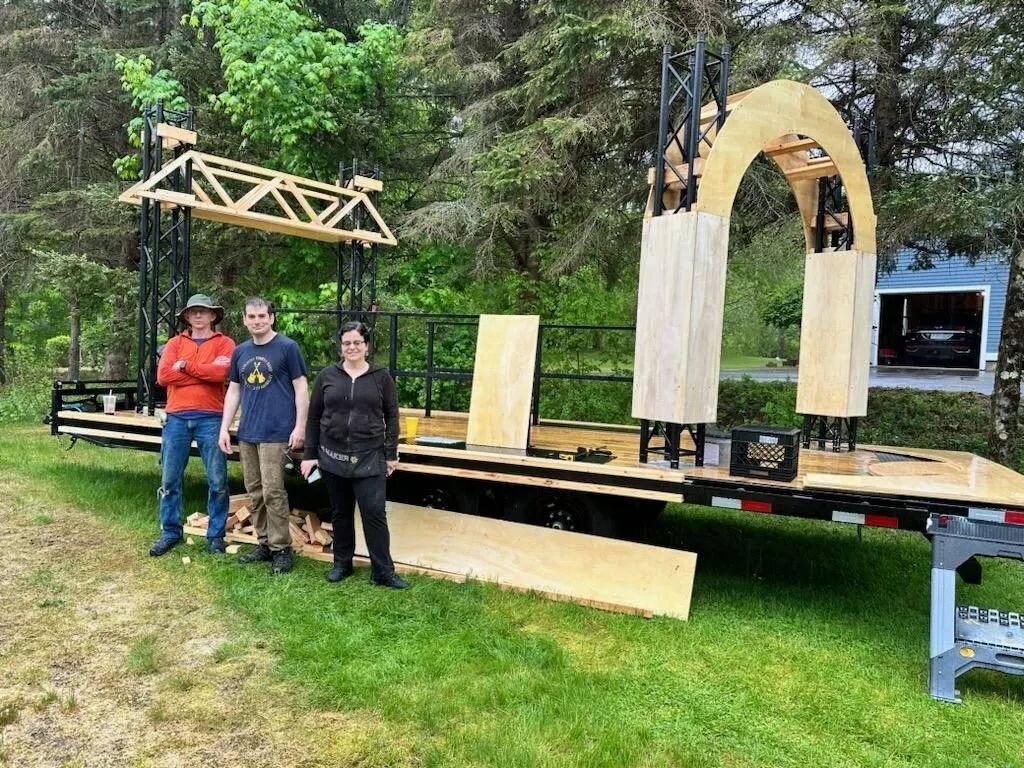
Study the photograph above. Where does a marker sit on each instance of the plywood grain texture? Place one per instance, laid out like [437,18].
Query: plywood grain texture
[835,334]
[609,573]
[499,406]
[680,306]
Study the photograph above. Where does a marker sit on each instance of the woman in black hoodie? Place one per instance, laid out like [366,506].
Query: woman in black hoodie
[352,436]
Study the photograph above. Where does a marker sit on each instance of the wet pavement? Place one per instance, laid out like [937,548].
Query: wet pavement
[942,379]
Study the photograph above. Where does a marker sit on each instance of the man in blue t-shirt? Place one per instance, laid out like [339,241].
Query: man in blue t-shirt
[268,378]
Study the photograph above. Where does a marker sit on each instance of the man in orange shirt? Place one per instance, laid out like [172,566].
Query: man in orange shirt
[194,368]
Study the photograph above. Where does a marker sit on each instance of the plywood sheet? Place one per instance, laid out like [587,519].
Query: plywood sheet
[499,406]
[589,569]
[911,469]
[680,306]
[835,334]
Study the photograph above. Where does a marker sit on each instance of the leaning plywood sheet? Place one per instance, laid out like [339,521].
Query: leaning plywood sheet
[680,307]
[499,405]
[606,573]
[964,478]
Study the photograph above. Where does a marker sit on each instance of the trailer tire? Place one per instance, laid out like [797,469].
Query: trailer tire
[439,493]
[579,512]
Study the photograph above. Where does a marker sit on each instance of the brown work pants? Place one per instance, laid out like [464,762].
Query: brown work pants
[263,470]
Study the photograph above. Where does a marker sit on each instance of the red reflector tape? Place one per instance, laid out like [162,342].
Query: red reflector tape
[881,521]
[1015,517]
[749,505]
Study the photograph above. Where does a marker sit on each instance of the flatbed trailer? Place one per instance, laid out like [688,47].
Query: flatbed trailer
[588,477]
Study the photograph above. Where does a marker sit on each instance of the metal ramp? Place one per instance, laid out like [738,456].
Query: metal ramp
[965,637]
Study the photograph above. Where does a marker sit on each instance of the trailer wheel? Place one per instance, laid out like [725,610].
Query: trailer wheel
[440,494]
[583,513]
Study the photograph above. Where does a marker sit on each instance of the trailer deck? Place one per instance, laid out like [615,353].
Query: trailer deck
[873,485]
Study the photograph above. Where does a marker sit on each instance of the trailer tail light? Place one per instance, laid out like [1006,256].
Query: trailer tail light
[856,518]
[987,515]
[746,505]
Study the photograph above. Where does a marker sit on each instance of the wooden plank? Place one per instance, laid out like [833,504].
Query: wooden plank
[680,306]
[812,171]
[297,194]
[200,166]
[776,148]
[834,222]
[835,334]
[542,482]
[200,192]
[589,569]
[672,181]
[284,205]
[256,194]
[499,406]
[170,197]
[178,135]
[367,184]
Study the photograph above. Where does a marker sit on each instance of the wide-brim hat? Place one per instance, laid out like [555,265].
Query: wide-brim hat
[202,300]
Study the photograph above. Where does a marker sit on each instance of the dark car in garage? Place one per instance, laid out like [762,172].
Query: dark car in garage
[953,347]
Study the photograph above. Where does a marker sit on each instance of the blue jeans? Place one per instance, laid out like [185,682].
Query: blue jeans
[178,435]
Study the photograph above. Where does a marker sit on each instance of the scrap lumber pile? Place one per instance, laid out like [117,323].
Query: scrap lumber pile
[311,536]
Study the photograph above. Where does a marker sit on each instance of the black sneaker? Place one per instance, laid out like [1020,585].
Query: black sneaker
[259,555]
[164,545]
[339,573]
[282,562]
[393,580]
[215,546]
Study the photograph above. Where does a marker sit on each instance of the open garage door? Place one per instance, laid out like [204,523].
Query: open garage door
[941,329]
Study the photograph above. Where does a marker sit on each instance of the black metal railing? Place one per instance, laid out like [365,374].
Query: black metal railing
[395,328]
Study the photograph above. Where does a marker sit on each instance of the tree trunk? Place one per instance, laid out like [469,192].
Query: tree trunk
[781,351]
[3,330]
[75,348]
[116,365]
[1002,436]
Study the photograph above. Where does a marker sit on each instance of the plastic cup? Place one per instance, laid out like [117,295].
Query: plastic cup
[109,403]
[412,425]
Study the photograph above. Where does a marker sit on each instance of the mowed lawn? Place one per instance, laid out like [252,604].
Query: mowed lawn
[806,645]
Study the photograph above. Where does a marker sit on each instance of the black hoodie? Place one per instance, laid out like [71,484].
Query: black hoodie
[353,415]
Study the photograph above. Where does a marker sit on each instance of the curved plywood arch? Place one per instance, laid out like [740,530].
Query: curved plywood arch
[683,256]
[775,111]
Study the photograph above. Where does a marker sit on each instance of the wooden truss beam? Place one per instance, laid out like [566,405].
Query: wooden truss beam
[290,205]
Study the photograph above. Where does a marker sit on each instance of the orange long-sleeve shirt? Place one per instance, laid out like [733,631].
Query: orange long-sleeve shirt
[200,386]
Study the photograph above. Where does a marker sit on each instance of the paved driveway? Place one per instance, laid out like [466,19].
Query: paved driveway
[943,379]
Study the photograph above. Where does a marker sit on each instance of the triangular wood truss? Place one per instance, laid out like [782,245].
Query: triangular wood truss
[288,204]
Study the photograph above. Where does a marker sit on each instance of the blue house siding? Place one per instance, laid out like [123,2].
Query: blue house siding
[951,275]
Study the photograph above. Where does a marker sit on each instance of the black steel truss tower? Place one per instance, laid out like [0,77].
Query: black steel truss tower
[164,251]
[357,265]
[688,80]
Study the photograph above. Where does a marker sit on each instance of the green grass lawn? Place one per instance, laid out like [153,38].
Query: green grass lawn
[805,647]
[743,362]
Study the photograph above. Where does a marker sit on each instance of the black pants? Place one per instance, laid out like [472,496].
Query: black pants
[369,492]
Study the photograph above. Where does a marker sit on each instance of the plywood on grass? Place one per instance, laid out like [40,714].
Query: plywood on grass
[835,334]
[499,406]
[592,570]
[680,306]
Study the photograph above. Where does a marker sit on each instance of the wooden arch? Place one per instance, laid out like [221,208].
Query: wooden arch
[681,298]
[771,118]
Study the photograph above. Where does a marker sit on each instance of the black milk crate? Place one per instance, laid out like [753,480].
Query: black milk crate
[769,452]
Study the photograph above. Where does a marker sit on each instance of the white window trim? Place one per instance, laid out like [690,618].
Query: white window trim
[985,290]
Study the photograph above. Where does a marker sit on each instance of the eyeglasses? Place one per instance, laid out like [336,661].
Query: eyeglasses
[353,343]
